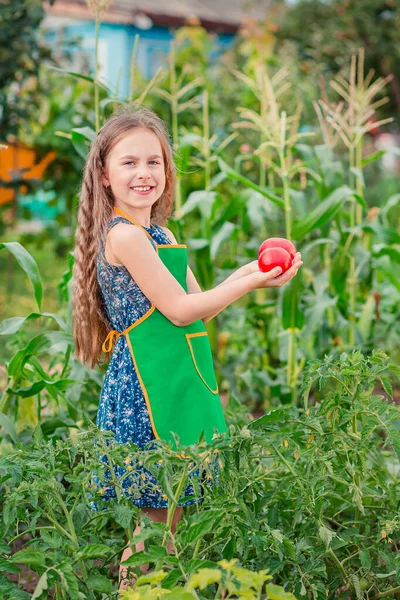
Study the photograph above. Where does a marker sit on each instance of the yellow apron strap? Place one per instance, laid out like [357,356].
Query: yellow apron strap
[128,218]
[110,341]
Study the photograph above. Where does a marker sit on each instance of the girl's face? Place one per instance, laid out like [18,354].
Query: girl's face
[134,165]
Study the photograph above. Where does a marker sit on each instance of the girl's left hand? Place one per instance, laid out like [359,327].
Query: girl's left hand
[249,268]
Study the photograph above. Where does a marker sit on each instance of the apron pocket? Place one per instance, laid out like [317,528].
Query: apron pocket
[200,350]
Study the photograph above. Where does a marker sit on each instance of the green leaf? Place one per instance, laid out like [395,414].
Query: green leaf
[41,586]
[80,76]
[69,580]
[95,551]
[123,516]
[358,174]
[203,578]
[100,583]
[7,465]
[372,157]
[38,344]
[322,213]
[198,243]
[8,425]
[201,199]
[356,585]
[366,319]
[29,265]
[382,250]
[326,534]
[50,425]
[319,242]
[291,315]
[141,558]
[277,534]
[385,235]
[276,592]
[4,548]
[153,577]
[37,435]
[390,203]
[194,564]
[29,556]
[178,593]
[8,567]
[86,132]
[394,439]
[224,234]
[9,513]
[232,174]
[385,575]
[387,385]
[259,209]
[360,200]
[81,138]
[12,325]
[199,524]
[280,415]
[172,579]
[365,560]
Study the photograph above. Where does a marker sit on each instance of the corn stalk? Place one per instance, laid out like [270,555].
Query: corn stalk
[348,121]
[278,135]
[97,7]
[174,97]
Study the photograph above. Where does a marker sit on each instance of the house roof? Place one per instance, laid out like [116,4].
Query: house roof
[221,15]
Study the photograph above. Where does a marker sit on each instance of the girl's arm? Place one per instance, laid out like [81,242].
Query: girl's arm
[133,249]
[194,287]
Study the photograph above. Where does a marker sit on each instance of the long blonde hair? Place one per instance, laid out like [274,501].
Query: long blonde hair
[95,209]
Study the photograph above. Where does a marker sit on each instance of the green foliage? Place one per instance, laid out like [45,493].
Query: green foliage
[231,581]
[309,491]
[21,56]
[308,495]
[338,29]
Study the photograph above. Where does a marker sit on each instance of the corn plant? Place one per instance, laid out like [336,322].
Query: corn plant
[348,121]
[279,134]
[173,95]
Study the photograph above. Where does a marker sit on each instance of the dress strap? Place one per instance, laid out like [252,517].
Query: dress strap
[128,218]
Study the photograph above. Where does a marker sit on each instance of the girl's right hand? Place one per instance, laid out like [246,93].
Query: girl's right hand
[273,278]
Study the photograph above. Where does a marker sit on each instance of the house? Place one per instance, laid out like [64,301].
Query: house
[154,20]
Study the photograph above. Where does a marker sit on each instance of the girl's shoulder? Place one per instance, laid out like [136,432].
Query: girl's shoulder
[158,233]
[168,234]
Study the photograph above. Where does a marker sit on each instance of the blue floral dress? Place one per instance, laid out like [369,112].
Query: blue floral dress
[122,407]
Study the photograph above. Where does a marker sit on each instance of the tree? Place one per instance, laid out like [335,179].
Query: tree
[328,33]
[22,52]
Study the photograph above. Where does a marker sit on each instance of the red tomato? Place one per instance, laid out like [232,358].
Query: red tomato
[278,243]
[274,257]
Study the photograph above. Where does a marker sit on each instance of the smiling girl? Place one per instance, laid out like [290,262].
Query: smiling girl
[133,289]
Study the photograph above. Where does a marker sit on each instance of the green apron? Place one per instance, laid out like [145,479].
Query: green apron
[174,365]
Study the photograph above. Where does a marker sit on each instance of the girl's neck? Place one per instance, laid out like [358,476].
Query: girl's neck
[141,217]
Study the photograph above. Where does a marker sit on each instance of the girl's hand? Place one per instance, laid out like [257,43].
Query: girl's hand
[249,268]
[273,278]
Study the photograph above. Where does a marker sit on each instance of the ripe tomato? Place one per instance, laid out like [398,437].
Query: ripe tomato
[274,257]
[278,243]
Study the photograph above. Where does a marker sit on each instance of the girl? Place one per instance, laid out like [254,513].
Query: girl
[133,288]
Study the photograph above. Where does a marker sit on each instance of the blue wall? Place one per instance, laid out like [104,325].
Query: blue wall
[116,47]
